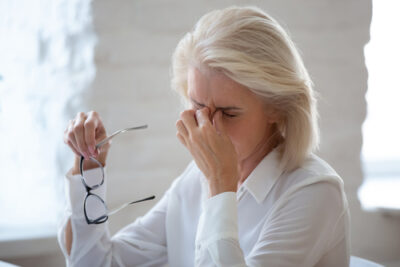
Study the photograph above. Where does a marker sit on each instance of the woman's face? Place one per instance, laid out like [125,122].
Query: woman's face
[245,117]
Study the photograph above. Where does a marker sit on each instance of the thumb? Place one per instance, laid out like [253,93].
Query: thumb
[218,124]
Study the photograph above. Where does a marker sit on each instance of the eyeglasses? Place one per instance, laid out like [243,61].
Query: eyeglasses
[94,207]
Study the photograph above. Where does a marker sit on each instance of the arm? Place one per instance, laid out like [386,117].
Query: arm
[75,171]
[68,237]
[91,245]
[142,242]
[81,135]
[298,233]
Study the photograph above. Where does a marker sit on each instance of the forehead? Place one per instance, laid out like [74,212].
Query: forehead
[206,86]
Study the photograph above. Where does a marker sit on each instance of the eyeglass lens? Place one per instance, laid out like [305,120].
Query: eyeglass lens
[95,207]
[92,173]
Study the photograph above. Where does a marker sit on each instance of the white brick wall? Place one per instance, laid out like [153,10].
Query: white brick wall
[135,43]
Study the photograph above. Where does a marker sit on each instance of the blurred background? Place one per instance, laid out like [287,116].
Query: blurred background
[59,57]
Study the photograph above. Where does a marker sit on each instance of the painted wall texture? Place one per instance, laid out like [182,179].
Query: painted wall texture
[135,41]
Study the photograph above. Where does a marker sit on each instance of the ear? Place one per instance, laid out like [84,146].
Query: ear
[273,115]
[273,118]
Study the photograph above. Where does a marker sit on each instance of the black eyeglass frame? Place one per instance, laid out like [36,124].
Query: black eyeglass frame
[88,188]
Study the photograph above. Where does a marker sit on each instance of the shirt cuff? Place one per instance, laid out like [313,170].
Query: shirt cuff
[76,192]
[218,219]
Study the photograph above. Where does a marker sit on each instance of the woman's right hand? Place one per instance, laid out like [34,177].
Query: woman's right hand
[82,135]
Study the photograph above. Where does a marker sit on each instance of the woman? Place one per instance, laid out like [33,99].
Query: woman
[255,194]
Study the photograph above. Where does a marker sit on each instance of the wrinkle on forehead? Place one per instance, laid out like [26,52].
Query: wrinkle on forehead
[214,88]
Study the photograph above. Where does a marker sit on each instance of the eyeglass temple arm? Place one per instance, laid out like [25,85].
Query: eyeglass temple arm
[129,203]
[141,200]
[102,142]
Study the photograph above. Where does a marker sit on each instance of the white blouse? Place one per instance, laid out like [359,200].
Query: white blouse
[299,218]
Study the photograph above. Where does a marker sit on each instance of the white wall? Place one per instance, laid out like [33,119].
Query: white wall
[135,43]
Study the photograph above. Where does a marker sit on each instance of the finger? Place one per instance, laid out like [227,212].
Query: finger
[202,116]
[181,139]
[189,119]
[181,128]
[100,131]
[69,137]
[66,129]
[69,143]
[79,132]
[207,130]
[67,132]
[90,126]
[218,124]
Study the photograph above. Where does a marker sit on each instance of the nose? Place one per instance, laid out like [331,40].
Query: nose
[211,112]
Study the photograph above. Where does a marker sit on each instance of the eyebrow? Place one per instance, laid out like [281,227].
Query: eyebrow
[217,108]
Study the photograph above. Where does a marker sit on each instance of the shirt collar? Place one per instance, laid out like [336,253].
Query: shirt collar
[261,180]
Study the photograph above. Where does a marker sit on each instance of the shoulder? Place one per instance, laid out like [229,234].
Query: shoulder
[311,198]
[314,181]
[317,166]
[314,170]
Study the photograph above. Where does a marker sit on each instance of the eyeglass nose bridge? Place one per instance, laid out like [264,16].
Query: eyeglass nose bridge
[88,188]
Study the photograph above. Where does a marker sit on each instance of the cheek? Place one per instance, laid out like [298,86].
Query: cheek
[240,135]
[246,135]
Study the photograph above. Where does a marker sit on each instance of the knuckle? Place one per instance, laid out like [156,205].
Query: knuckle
[187,112]
[70,136]
[93,114]
[78,127]
[69,143]
[201,112]
[88,123]
[182,114]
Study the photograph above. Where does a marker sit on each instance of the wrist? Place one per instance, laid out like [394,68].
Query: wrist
[216,189]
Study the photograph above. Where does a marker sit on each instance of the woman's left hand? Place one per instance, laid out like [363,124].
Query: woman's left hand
[211,148]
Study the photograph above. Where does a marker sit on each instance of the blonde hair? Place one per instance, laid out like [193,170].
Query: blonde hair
[251,48]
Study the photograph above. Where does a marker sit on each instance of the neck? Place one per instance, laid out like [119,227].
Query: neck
[247,165]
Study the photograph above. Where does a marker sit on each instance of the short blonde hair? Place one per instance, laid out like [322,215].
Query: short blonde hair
[251,48]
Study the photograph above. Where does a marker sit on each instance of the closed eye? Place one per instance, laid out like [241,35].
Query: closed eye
[196,107]
[225,110]
[229,115]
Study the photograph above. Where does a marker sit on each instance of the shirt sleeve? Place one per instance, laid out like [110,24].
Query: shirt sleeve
[298,232]
[142,243]
[217,233]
